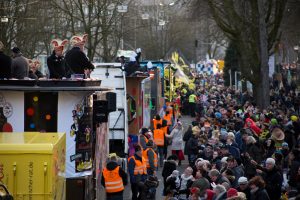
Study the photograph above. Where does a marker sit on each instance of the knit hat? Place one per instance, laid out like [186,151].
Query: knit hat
[242,180]
[232,193]
[294,118]
[274,121]
[270,161]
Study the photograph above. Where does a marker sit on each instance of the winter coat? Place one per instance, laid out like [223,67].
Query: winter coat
[192,146]
[256,154]
[19,67]
[56,66]
[238,172]
[77,61]
[293,173]
[169,167]
[221,196]
[177,141]
[5,66]
[260,194]
[187,135]
[221,179]
[273,180]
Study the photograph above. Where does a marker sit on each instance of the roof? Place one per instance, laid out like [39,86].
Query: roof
[51,85]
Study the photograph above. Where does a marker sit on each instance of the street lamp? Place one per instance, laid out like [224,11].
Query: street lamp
[122,9]
[4,19]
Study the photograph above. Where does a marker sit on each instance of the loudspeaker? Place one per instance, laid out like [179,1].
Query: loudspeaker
[100,112]
[79,188]
[111,98]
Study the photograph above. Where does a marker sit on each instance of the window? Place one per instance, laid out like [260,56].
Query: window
[40,110]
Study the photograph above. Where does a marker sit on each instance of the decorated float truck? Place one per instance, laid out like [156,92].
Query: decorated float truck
[54,132]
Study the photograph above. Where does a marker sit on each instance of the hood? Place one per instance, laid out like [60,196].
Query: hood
[112,165]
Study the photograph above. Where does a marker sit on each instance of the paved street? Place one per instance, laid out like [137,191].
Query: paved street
[186,120]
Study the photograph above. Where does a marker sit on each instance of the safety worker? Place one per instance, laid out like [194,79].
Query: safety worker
[156,120]
[114,178]
[151,158]
[192,104]
[143,137]
[159,140]
[138,173]
[168,117]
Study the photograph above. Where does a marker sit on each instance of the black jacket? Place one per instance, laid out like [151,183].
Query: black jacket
[192,146]
[169,167]
[77,61]
[273,181]
[111,166]
[187,135]
[260,194]
[5,66]
[56,66]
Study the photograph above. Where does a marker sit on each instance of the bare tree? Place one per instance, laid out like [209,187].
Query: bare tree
[253,27]
[97,18]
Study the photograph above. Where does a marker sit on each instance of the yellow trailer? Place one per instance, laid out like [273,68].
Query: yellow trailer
[32,165]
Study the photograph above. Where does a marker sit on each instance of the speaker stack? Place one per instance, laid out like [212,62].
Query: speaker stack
[101,108]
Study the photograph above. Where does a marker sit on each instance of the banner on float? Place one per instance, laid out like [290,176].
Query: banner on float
[75,118]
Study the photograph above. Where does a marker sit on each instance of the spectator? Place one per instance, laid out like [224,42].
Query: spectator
[76,59]
[237,169]
[220,192]
[177,141]
[169,166]
[20,65]
[56,62]
[34,72]
[243,186]
[272,178]
[216,177]
[5,63]
[258,191]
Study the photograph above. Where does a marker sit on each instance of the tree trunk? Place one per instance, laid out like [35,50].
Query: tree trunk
[263,98]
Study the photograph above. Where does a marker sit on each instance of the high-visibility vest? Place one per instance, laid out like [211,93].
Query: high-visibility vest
[192,98]
[168,118]
[113,180]
[155,122]
[140,167]
[145,155]
[165,129]
[158,136]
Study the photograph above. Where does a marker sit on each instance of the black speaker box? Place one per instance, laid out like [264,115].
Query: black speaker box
[79,188]
[111,98]
[100,112]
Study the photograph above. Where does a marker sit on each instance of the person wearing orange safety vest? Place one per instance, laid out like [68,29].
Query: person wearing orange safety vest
[156,120]
[150,158]
[168,117]
[138,172]
[114,178]
[159,140]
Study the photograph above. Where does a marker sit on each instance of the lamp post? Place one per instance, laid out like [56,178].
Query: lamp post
[122,9]
[297,50]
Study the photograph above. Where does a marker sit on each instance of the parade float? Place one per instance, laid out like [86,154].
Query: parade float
[79,108]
